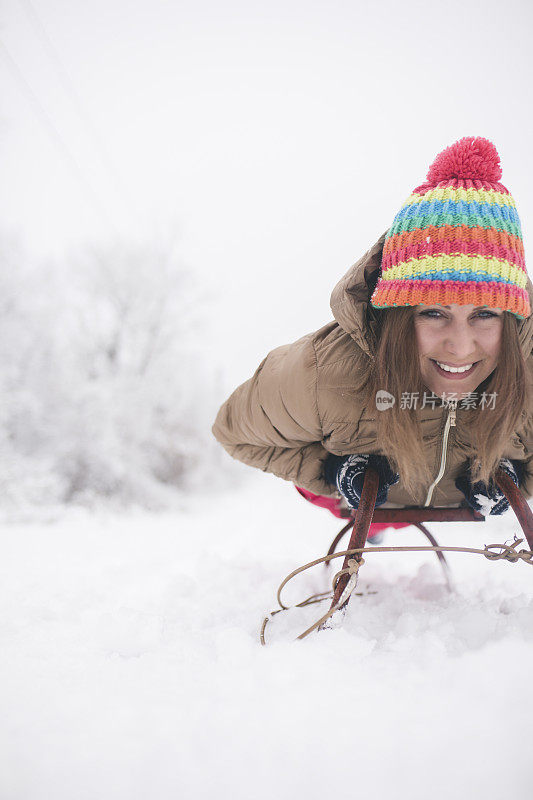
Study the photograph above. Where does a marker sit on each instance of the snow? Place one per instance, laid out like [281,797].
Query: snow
[132,666]
[486,504]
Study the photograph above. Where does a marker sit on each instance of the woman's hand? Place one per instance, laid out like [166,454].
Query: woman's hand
[489,499]
[347,474]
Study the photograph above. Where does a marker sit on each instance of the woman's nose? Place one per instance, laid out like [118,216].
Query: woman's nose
[460,340]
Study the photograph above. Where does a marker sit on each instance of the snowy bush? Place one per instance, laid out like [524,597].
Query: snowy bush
[105,381]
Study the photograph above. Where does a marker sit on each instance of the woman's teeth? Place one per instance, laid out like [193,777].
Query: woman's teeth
[455,369]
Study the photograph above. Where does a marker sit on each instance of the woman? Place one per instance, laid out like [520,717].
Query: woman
[426,370]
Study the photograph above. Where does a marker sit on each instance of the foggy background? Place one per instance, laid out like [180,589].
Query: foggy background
[183,183]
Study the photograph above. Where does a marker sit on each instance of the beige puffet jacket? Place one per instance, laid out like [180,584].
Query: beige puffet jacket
[300,405]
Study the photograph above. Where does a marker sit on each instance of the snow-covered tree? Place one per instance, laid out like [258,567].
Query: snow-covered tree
[104,378]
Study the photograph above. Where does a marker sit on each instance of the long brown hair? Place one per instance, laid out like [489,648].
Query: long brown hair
[395,366]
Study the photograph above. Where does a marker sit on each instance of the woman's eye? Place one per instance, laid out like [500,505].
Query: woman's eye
[433,313]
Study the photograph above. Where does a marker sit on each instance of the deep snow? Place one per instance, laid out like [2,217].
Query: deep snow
[132,667]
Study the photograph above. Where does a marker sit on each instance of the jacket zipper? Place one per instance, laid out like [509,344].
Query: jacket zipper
[450,422]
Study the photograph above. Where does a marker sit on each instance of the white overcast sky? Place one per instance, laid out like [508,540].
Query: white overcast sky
[272,142]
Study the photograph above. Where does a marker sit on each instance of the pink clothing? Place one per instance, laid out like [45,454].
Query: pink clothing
[333,504]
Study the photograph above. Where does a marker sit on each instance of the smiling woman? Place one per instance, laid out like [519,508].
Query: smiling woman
[457,343]
[426,372]
[489,396]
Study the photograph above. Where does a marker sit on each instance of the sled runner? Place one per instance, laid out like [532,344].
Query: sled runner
[366,521]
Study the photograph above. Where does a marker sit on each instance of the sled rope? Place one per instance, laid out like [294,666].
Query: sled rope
[493,552]
[352,569]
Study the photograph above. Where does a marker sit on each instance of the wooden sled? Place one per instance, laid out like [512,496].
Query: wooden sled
[360,520]
[366,513]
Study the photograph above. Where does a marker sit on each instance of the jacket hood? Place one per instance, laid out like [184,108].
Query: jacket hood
[350,300]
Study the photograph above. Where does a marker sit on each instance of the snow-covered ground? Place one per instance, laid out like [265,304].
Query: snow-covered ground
[131,665]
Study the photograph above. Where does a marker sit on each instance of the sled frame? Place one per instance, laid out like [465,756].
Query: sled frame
[366,513]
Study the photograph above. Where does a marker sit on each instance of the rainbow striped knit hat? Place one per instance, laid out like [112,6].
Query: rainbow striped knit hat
[457,238]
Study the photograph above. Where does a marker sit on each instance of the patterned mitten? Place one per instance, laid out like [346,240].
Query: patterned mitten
[489,499]
[347,474]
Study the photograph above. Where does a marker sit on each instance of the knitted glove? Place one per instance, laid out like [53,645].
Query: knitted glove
[347,474]
[489,499]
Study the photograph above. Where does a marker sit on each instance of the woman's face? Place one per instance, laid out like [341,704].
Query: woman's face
[457,336]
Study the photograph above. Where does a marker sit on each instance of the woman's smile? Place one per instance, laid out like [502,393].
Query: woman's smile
[454,372]
[457,345]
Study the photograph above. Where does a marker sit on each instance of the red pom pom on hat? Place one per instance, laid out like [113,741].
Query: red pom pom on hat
[472,157]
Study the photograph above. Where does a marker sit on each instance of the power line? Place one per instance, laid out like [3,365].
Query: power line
[47,123]
[75,99]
